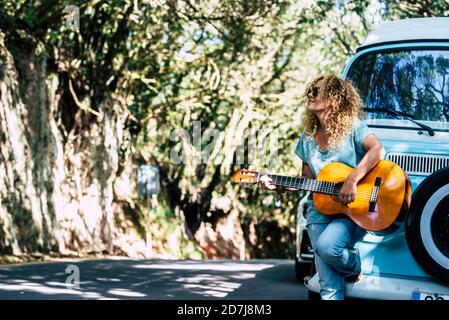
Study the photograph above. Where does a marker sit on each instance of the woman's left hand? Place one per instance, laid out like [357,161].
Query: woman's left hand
[347,191]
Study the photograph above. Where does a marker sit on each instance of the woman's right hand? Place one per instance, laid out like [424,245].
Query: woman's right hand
[265,181]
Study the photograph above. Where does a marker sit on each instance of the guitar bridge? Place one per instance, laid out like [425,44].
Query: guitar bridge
[374,195]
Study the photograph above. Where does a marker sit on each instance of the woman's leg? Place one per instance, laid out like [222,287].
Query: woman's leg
[336,246]
[331,281]
[335,257]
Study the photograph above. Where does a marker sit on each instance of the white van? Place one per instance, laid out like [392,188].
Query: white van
[402,74]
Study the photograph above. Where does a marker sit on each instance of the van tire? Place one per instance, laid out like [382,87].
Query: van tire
[310,294]
[313,295]
[427,225]
[302,269]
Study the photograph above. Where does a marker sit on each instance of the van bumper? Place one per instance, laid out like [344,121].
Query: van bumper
[385,287]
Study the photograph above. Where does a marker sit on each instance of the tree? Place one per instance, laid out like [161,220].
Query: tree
[198,88]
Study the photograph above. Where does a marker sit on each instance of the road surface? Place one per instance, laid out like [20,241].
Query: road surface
[153,279]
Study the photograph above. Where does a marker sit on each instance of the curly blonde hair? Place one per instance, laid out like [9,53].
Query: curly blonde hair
[345,108]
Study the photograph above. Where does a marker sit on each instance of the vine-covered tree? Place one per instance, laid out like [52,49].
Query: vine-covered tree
[92,89]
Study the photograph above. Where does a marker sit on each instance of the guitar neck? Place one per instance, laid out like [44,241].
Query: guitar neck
[325,187]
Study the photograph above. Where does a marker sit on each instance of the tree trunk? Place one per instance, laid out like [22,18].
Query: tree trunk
[59,184]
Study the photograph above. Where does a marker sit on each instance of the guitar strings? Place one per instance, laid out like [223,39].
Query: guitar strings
[327,189]
[361,195]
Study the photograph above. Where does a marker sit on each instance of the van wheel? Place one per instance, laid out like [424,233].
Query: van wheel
[310,294]
[302,269]
[313,295]
[427,225]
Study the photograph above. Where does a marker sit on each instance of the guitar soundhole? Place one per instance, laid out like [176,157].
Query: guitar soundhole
[338,187]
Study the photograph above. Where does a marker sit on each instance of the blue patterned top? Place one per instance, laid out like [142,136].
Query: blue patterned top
[350,153]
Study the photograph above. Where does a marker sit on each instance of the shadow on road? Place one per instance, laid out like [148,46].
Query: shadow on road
[122,278]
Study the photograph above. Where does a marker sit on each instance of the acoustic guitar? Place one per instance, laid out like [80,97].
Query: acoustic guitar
[382,197]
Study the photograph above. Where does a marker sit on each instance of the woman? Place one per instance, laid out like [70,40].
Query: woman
[333,132]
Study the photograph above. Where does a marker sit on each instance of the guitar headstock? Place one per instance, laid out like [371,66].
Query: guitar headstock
[245,177]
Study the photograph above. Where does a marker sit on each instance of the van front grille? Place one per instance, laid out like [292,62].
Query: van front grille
[418,164]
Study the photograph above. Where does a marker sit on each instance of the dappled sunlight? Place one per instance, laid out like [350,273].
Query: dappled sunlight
[125,293]
[207,290]
[210,285]
[207,285]
[243,276]
[207,266]
[141,279]
[18,281]
[189,89]
[108,279]
[46,290]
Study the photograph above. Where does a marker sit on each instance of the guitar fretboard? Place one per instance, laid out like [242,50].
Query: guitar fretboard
[325,187]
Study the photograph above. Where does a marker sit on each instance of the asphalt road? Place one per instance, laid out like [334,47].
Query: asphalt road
[122,278]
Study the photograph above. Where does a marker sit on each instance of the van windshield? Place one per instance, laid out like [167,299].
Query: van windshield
[414,82]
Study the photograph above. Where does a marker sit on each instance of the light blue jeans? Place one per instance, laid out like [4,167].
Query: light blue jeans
[335,256]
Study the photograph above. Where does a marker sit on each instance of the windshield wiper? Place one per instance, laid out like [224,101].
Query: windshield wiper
[404,115]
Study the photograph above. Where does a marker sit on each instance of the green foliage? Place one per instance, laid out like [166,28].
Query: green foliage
[237,67]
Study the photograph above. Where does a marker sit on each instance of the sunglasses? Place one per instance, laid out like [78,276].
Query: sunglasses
[315,91]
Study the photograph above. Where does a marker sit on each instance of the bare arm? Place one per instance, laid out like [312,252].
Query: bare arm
[265,181]
[374,153]
[307,172]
